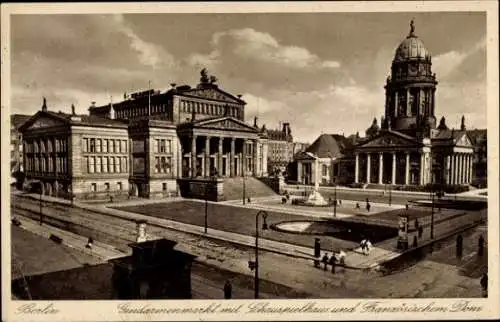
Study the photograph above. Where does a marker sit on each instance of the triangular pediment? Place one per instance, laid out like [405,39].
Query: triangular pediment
[389,139]
[42,120]
[213,93]
[225,123]
[464,141]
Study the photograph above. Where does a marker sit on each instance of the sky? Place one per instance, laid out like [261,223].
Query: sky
[322,72]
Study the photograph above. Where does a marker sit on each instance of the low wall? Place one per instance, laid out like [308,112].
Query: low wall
[212,190]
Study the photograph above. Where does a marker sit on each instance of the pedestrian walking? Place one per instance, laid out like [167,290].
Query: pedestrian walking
[368,206]
[368,246]
[480,245]
[228,290]
[484,284]
[357,205]
[324,260]
[406,206]
[460,242]
[332,262]
[362,245]
[340,201]
[342,256]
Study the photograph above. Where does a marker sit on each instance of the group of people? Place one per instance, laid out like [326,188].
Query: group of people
[368,205]
[366,246]
[333,259]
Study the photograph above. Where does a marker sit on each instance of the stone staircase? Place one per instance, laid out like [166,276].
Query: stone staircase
[233,188]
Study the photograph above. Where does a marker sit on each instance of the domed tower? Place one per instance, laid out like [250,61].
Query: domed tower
[410,90]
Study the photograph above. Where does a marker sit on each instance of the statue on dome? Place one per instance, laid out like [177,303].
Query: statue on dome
[412,29]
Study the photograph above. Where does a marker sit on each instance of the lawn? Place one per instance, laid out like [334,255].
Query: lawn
[237,220]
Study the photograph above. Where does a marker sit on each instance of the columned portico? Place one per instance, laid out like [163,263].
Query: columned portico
[224,146]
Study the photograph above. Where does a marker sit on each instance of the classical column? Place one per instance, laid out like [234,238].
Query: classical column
[192,165]
[356,169]
[244,158]
[452,169]
[231,158]
[255,159]
[380,167]
[219,156]
[207,156]
[448,170]
[407,169]
[422,168]
[393,179]
[470,167]
[459,168]
[368,167]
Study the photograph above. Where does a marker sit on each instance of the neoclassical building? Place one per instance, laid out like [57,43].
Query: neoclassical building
[145,143]
[408,148]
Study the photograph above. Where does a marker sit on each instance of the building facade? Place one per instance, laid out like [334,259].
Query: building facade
[143,144]
[281,149]
[408,148]
[16,142]
[335,160]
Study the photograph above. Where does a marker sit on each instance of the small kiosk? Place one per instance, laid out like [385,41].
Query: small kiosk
[411,229]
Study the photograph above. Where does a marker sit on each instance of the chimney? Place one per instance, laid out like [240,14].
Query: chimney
[462,125]
[255,121]
[73,110]
[44,105]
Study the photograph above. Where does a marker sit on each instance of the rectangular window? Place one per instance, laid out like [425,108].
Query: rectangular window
[119,186]
[168,146]
[49,146]
[117,165]
[157,164]
[92,145]
[58,145]
[156,143]
[111,164]
[117,146]
[124,166]
[85,165]
[164,186]
[106,186]
[124,146]
[105,164]
[162,146]
[91,164]
[111,147]
[98,164]
[105,146]
[98,146]
[93,187]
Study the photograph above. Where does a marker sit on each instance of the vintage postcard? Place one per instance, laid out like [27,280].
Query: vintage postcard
[250,161]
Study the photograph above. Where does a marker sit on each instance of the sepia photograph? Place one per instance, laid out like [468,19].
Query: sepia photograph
[162,154]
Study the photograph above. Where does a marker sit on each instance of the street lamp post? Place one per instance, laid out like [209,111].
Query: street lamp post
[206,207]
[390,193]
[244,187]
[335,199]
[432,213]
[41,215]
[264,227]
